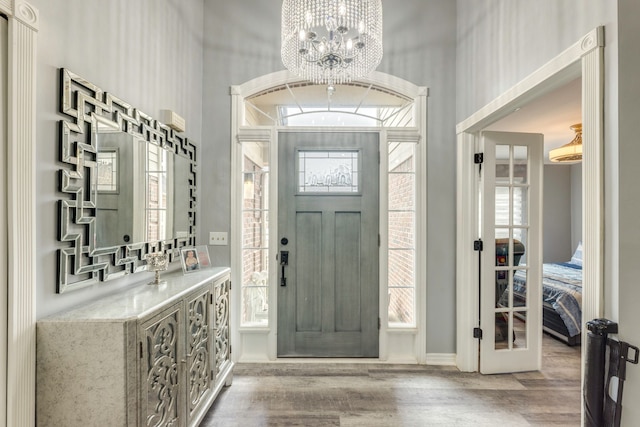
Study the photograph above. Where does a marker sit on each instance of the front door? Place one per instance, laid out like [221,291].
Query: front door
[328,223]
[511,284]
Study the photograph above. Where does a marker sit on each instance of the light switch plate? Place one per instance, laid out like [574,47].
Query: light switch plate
[218,238]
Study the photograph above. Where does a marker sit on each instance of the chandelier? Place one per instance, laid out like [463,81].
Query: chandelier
[570,152]
[331,41]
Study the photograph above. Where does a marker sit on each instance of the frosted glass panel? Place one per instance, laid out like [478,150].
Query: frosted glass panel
[328,171]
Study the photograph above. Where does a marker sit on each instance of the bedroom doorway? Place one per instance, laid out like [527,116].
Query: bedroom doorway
[582,60]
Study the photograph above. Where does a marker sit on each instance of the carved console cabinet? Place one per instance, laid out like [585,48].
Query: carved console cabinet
[152,355]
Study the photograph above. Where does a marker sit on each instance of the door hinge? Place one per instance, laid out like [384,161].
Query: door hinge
[477,333]
[478,158]
[229,284]
[211,299]
[140,349]
[477,245]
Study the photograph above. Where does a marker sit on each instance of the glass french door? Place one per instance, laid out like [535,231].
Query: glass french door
[511,266]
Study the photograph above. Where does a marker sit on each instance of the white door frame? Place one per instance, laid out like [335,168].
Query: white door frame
[17,405]
[258,344]
[585,58]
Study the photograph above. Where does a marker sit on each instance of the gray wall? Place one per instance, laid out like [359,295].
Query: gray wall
[576,205]
[242,42]
[557,213]
[502,41]
[562,217]
[146,52]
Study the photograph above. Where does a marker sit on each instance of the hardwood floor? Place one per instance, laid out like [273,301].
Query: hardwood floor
[374,394]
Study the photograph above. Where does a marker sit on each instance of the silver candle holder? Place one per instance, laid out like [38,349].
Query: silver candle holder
[157,262]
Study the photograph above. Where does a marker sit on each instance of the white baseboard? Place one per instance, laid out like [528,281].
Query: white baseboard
[443,359]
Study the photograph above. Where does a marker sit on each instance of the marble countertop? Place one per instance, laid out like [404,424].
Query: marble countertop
[140,299]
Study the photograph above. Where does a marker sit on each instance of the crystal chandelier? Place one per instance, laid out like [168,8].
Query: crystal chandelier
[331,41]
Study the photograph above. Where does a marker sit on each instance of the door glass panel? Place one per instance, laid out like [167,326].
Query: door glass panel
[328,171]
[502,165]
[520,205]
[503,205]
[502,289]
[502,331]
[502,233]
[520,164]
[520,288]
[519,329]
[520,239]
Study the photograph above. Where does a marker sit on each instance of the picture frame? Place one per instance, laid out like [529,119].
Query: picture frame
[189,260]
[203,256]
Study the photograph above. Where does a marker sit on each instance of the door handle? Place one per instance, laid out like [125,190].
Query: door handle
[284,261]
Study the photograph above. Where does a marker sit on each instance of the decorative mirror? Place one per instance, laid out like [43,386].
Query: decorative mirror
[129,183]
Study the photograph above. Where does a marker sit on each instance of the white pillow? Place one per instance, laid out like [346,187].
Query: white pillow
[576,258]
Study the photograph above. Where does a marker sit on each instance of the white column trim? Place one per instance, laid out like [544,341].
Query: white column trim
[466,258]
[421,121]
[592,185]
[21,132]
[583,57]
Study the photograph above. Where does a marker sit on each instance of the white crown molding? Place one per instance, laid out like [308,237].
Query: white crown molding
[21,11]
[27,14]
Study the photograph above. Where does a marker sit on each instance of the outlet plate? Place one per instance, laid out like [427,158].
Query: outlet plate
[219,238]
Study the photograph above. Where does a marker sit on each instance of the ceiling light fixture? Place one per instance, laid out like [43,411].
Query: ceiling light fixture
[331,41]
[571,152]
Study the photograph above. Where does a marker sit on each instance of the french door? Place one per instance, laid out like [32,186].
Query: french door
[328,224]
[511,266]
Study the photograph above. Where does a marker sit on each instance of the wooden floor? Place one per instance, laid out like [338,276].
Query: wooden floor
[374,394]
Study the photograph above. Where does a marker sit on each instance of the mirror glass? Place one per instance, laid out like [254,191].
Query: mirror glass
[134,191]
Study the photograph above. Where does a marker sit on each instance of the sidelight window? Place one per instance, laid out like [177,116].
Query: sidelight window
[402,232]
[255,233]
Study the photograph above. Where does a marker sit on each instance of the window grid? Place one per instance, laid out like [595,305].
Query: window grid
[402,230]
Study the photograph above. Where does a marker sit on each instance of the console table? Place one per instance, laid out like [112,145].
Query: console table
[151,355]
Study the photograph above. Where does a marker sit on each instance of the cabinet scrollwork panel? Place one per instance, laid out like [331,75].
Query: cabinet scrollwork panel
[198,350]
[222,291]
[161,350]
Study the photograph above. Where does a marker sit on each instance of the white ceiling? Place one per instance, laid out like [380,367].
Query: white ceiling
[550,115]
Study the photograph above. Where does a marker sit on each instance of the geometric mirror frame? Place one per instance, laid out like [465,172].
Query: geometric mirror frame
[89,110]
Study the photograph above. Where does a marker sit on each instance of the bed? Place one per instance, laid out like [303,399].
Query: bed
[561,297]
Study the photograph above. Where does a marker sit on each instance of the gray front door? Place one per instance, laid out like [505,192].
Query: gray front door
[328,221]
